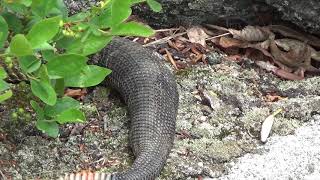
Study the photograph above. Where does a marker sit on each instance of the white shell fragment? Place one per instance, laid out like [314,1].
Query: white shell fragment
[267,125]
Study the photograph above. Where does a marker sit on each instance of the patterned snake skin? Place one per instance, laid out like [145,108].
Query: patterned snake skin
[149,89]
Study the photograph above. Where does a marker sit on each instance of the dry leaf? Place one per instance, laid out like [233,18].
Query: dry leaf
[289,44]
[227,42]
[78,94]
[251,33]
[279,72]
[197,35]
[262,47]
[298,56]
[293,58]
[288,32]
[315,55]
[267,125]
[273,98]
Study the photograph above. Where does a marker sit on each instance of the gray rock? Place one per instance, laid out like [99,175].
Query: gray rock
[304,14]
[290,157]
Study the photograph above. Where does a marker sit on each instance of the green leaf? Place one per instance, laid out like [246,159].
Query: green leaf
[13,21]
[65,42]
[62,104]
[16,7]
[71,115]
[44,91]
[91,45]
[66,65]
[104,20]
[59,8]
[45,46]
[27,3]
[137,1]
[90,75]
[29,64]
[3,73]
[132,29]
[59,86]
[154,5]
[50,128]
[5,95]
[78,17]
[48,55]
[94,44]
[47,8]
[20,46]
[43,74]
[3,30]
[39,111]
[120,11]
[43,31]
[3,85]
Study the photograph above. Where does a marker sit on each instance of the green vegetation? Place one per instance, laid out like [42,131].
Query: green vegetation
[51,49]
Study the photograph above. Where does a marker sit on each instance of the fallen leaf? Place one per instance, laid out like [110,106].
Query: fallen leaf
[78,94]
[251,33]
[273,98]
[267,125]
[288,32]
[173,45]
[289,44]
[197,35]
[227,42]
[277,71]
[316,55]
[293,58]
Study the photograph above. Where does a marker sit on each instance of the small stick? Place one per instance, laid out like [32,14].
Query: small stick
[164,40]
[216,27]
[221,35]
[171,59]
[164,30]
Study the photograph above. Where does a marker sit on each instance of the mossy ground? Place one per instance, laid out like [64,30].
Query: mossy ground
[206,138]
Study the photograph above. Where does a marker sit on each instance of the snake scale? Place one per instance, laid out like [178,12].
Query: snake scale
[149,90]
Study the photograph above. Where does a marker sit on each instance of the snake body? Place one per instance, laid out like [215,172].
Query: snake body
[149,90]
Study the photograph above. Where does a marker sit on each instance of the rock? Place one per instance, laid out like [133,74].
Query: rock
[304,14]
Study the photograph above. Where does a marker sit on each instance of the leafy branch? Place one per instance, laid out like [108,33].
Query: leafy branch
[51,50]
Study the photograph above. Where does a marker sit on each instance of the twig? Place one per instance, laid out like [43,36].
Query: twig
[97,161]
[221,35]
[164,40]
[164,30]
[171,59]
[216,27]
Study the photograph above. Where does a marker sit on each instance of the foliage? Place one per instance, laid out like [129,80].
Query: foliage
[51,49]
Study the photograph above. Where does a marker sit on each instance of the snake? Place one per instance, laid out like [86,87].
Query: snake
[149,90]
